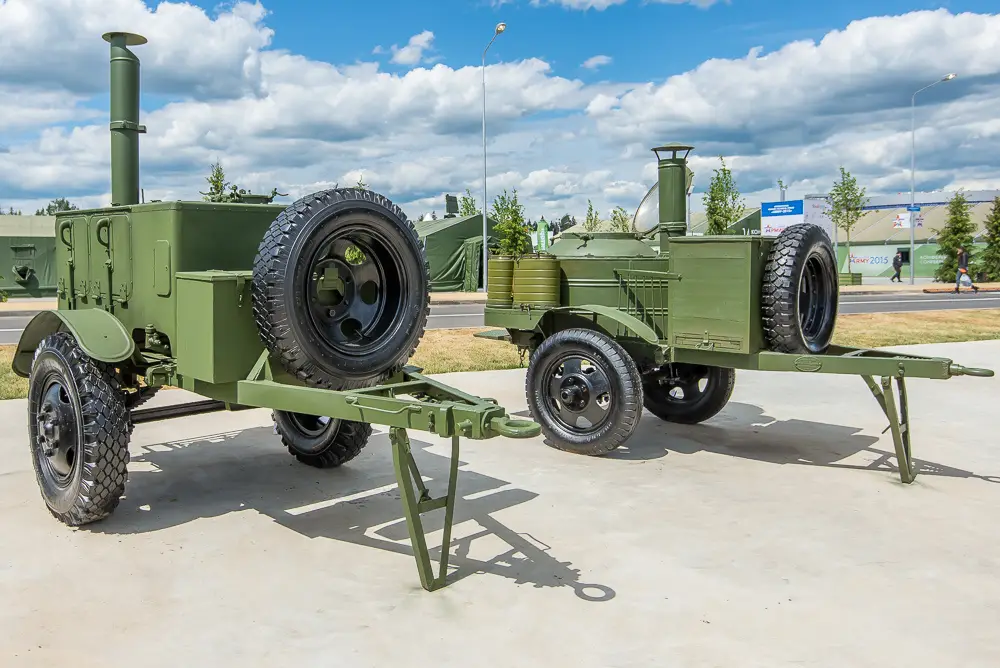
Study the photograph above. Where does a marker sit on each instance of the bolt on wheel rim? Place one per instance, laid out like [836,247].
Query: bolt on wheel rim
[356,287]
[56,439]
[578,390]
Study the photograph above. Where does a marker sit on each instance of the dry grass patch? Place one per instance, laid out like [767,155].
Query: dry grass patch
[12,386]
[881,330]
[448,350]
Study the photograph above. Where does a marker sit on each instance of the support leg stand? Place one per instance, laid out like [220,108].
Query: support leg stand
[417,500]
[899,423]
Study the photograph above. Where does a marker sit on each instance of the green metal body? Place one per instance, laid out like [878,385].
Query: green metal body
[161,291]
[695,300]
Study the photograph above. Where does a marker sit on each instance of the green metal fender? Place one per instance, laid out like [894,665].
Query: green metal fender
[630,322]
[101,335]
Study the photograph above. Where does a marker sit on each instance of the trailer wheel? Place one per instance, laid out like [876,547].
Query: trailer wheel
[687,393]
[78,432]
[582,375]
[321,441]
[800,293]
[340,288]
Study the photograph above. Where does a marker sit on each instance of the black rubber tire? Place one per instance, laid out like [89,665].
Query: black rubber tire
[95,439]
[624,384]
[800,291]
[329,446]
[284,307]
[705,405]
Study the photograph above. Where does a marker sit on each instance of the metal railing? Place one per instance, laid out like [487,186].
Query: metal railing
[643,295]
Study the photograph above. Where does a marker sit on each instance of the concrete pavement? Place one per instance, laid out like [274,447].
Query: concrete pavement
[777,534]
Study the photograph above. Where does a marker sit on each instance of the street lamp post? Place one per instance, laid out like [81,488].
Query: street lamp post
[913,163]
[499,29]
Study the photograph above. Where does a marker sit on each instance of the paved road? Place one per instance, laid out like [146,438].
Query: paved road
[471,315]
[448,316]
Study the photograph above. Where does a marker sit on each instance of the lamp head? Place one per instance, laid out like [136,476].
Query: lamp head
[949,77]
[503,26]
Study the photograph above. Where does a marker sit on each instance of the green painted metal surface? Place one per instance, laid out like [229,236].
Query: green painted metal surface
[125,260]
[125,127]
[217,338]
[672,176]
[500,282]
[715,304]
[536,281]
[98,333]
[28,265]
[599,245]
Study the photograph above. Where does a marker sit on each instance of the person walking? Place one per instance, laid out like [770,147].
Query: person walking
[963,268]
[897,266]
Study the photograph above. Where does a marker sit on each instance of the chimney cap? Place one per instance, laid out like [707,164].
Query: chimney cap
[131,38]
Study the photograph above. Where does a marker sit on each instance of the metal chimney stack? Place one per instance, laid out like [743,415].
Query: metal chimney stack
[125,128]
[673,184]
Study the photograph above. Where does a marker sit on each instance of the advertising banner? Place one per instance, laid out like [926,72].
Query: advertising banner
[776,216]
[816,211]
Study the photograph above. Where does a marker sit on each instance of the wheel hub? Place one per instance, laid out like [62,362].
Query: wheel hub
[56,431]
[579,389]
[355,291]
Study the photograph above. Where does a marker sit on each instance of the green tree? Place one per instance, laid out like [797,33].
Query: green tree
[723,204]
[847,203]
[361,183]
[58,204]
[10,212]
[620,220]
[467,205]
[217,184]
[593,219]
[512,237]
[957,231]
[990,259]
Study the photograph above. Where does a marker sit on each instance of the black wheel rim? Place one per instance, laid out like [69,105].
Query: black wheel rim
[57,432]
[310,425]
[815,293]
[679,384]
[577,389]
[356,286]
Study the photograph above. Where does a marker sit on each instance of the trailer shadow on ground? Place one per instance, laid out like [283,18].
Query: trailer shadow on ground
[746,431]
[177,482]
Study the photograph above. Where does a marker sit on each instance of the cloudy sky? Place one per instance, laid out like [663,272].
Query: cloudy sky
[302,95]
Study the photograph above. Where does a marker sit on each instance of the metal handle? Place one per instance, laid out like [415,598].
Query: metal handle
[506,426]
[353,401]
[959,370]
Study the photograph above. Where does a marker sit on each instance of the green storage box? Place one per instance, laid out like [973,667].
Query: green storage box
[715,304]
[217,338]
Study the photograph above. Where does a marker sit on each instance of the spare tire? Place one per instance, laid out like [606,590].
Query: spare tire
[800,294]
[340,288]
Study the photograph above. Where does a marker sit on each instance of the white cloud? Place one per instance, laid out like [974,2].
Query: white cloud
[413,52]
[57,43]
[594,62]
[276,118]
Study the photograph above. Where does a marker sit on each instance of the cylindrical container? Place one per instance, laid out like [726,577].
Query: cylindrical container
[500,282]
[125,127]
[536,281]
